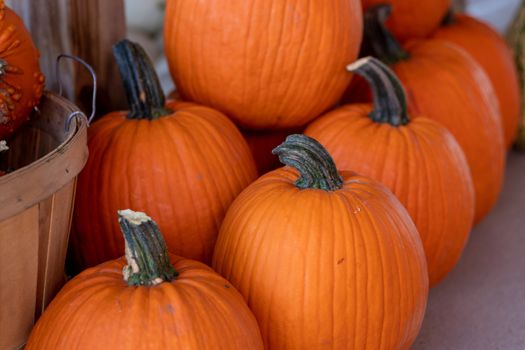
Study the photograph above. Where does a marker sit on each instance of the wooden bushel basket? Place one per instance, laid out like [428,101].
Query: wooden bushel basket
[36,205]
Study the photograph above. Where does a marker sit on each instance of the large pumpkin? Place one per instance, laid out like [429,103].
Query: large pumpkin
[445,84]
[412,19]
[418,159]
[21,82]
[326,260]
[490,50]
[264,63]
[180,162]
[155,301]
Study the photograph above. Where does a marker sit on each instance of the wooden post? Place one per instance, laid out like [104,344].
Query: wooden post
[84,28]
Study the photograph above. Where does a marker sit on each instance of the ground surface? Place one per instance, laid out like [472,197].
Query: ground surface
[481,304]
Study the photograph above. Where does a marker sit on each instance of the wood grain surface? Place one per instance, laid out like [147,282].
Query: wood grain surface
[35,215]
[87,29]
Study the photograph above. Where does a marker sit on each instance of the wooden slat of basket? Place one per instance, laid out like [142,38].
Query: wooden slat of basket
[36,205]
[18,261]
[55,218]
[44,176]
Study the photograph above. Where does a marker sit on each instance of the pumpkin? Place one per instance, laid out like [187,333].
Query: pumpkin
[261,143]
[517,44]
[155,301]
[180,162]
[266,64]
[417,158]
[445,84]
[412,19]
[21,82]
[325,259]
[490,50]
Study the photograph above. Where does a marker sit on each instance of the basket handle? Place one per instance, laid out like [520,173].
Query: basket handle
[78,114]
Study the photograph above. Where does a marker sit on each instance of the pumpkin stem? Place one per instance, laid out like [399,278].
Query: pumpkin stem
[146,99]
[315,165]
[380,41]
[146,252]
[390,104]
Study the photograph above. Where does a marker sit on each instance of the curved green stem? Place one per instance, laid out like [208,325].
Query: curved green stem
[146,252]
[143,90]
[316,167]
[390,104]
[381,42]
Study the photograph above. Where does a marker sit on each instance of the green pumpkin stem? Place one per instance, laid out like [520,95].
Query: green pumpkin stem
[148,260]
[316,167]
[390,104]
[381,43]
[146,99]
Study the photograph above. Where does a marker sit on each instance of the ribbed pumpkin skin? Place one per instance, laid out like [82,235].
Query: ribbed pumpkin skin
[412,19]
[423,166]
[445,84]
[262,143]
[325,270]
[264,63]
[98,310]
[184,170]
[490,50]
[21,82]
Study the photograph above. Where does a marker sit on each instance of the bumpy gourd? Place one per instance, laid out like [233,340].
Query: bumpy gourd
[21,82]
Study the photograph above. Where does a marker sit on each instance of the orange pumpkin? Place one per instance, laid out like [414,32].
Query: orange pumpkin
[261,143]
[445,84]
[418,159]
[264,63]
[156,301]
[326,260]
[21,82]
[490,50]
[182,163]
[412,19]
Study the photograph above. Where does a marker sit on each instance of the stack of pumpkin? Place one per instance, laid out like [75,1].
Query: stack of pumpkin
[311,255]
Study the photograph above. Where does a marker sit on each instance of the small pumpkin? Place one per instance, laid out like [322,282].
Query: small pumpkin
[516,40]
[417,158]
[267,64]
[21,82]
[445,84]
[325,259]
[155,301]
[182,163]
[490,50]
[412,19]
